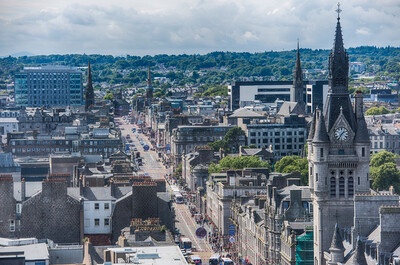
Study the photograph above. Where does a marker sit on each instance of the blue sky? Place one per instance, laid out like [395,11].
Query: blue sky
[120,27]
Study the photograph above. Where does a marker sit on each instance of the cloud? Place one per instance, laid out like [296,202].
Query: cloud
[363,31]
[198,26]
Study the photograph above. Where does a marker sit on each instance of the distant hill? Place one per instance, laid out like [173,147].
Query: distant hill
[211,68]
[18,54]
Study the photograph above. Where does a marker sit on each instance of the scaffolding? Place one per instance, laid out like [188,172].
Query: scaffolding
[305,248]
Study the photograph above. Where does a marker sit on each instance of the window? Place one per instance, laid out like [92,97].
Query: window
[363,152]
[341,186]
[333,187]
[18,208]
[322,152]
[106,206]
[96,206]
[97,222]
[316,176]
[350,185]
[106,222]
[12,226]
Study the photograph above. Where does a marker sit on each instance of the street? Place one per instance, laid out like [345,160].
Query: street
[155,169]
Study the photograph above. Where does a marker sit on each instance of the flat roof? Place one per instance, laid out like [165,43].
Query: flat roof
[31,252]
[153,255]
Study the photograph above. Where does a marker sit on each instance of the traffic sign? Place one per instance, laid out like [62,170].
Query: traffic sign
[201,232]
[231,229]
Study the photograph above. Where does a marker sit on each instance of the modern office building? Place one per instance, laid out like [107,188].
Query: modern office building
[241,93]
[48,86]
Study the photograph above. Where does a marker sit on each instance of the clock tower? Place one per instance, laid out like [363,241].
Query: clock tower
[338,154]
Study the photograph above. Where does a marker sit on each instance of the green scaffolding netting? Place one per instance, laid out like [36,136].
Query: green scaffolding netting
[305,248]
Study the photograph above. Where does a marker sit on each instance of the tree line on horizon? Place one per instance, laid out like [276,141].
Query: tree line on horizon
[210,69]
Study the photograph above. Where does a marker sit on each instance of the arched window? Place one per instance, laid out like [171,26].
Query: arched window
[341,186]
[350,185]
[333,187]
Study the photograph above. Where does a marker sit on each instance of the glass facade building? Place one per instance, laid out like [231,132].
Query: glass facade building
[48,86]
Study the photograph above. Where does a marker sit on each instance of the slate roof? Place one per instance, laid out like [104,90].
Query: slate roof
[359,256]
[289,107]
[337,240]
[98,193]
[245,113]
[320,134]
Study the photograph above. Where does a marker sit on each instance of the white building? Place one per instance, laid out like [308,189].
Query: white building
[7,125]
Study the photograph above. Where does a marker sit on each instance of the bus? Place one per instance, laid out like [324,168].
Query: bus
[185,244]
[214,259]
[179,198]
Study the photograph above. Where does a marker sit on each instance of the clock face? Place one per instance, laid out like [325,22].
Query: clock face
[341,133]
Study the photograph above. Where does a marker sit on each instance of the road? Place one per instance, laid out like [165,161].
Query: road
[184,220]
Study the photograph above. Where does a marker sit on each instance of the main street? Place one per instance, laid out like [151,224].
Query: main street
[155,169]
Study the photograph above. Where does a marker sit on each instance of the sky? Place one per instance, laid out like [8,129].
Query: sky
[151,27]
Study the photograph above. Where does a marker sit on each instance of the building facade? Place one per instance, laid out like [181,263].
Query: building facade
[338,154]
[269,91]
[287,138]
[48,86]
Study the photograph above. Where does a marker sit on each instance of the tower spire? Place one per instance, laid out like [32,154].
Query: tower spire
[89,94]
[298,79]
[149,89]
[338,61]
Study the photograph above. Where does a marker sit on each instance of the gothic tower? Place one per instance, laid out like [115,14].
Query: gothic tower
[149,89]
[298,95]
[338,153]
[89,94]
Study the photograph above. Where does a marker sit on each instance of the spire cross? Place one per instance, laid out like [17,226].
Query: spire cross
[338,10]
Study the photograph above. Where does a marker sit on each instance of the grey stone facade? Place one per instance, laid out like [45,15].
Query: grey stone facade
[52,214]
[8,216]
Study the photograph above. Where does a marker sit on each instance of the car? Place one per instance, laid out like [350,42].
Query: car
[135,149]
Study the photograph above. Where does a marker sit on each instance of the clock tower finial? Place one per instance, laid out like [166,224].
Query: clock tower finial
[338,11]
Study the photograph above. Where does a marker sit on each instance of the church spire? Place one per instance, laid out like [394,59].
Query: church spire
[338,61]
[149,89]
[89,94]
[338,94]
[298,79]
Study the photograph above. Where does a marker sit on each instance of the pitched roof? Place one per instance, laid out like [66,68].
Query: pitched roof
[359,257]
[245,113]
[320,134]
[289,107]
[337,240]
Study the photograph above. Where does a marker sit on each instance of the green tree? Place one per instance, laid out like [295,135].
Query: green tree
[289,164]
[385,176]
[233,138]
[382,158]
[377,111]
[109,96]
[238,162]
[217,145]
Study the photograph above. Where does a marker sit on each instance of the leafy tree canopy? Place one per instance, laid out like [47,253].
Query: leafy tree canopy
[233,138]
[217,145]
[109,96]
[289,164]
[385,176]
[238,162]
[382,158]
[377,111]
